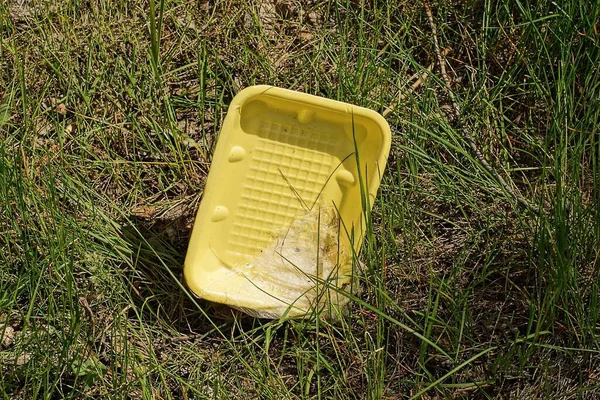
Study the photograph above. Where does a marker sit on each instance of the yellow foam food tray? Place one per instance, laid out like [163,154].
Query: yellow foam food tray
[283,211]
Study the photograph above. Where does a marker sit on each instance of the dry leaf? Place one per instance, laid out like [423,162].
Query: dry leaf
[143,211]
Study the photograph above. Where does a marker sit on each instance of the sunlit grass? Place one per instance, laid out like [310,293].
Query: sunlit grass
[109,112]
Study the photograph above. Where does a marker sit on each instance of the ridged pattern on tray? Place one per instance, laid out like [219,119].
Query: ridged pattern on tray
[268,199]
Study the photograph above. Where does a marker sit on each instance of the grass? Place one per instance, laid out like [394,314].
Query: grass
[109,113]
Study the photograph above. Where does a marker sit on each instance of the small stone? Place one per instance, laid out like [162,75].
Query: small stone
[23,359]
[61,109]
[8,337]
[58,106]
[305,35]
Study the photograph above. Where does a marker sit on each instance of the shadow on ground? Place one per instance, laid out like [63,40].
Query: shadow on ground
[160,246]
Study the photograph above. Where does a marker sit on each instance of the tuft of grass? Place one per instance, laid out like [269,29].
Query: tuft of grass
[109,112]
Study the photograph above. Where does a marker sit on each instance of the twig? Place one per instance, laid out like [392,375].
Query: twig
[457,114]
[422,77]
[83,302]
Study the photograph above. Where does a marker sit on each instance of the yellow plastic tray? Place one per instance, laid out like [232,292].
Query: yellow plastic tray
[282,213]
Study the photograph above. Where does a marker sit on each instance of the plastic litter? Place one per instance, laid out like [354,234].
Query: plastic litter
[282,215]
